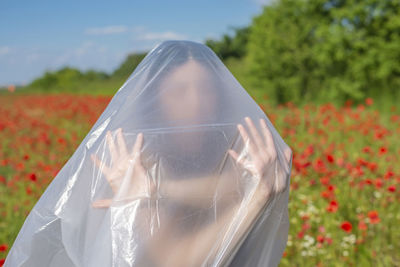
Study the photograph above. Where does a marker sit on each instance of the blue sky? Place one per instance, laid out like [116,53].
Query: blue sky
[36,36]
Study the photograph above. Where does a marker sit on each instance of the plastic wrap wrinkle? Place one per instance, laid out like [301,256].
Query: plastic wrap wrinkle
[182,168]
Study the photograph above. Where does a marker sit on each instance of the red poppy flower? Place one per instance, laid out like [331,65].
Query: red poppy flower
[373,217]
[32,177]
[346,226]
[369,101]
[300,234]
[378,183]
[330,158]
[28,190]
[392,188]
[333,206]
[382,150]
[3,247]
[367,149]
[320,238]
[368,181]
[389,174]
[324,180]
[372,166]
[362,225]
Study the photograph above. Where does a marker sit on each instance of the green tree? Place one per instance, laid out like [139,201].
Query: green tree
[329,50]
[66,78]
[230,45]
[129,65]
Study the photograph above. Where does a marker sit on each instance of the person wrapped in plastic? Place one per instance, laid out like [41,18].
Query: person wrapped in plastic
[183,168]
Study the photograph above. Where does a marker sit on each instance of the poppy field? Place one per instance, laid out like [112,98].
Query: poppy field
[345,181]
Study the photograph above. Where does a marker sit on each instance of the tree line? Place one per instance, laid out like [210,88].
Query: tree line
[299,51]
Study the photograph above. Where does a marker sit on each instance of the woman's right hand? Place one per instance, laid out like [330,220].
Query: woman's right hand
[126,176]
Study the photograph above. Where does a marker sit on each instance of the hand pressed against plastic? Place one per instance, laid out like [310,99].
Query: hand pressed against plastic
[262,152]
[126,175]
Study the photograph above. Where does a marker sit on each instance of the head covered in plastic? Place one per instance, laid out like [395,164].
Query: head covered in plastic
[165,177]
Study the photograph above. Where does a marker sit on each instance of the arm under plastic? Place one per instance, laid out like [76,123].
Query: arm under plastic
[234,223]
[239,220]
[253,212]
[200,192]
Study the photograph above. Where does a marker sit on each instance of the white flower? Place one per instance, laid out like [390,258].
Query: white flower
[352,238]
[377,194]
[308,241]
[302,196]
[311,252]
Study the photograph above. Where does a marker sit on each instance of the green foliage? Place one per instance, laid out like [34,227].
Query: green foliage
[230,46]
[129,65]
[66,79]
[331,50]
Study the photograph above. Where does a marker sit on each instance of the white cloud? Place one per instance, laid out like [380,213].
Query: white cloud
[264,2]
[139,28]
[116,29]
[150,36]
[141,33]
[84,48]
[83,55]
[4,50]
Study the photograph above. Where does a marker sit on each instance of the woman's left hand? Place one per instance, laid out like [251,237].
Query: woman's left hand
[262,152]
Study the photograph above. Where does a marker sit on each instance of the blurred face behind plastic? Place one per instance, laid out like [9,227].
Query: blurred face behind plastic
[187,95]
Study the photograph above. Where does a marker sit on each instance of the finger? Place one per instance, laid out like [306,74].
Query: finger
[268,137]
[138,144]
[104,169]
[135,154]
[100,164]
[254,132]
[121,143]
[111,146]
[235,156]
[246,139]
[102,203]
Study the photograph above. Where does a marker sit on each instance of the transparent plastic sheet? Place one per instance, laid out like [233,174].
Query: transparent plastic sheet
[165,177]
